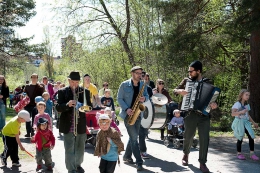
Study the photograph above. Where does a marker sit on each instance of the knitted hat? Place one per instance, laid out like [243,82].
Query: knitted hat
[197,65]
[24,115]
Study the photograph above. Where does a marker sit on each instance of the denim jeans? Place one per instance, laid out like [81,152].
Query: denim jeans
[74,150]
[142,135]
[2,115]
[132,145]
[45,155]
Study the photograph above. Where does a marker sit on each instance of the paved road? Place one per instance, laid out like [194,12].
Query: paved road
[221,158]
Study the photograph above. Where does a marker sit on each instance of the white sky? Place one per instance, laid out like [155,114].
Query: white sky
[36,24]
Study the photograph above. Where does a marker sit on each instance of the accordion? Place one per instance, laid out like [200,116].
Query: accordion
[200,96]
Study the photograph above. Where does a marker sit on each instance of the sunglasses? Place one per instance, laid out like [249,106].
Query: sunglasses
[105,85]
[161,83]
[190,71]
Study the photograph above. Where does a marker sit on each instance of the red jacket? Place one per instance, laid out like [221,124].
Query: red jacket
[48,135]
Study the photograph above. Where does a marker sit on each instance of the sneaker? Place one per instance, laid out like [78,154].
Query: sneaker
[16,163]
[80,169]
[204,168]
[254,157]
[139,167]
[241,157]
[130,161]
[27,136]
[49,168]
[185,161]
[39,167]
[3,161]
[144,155]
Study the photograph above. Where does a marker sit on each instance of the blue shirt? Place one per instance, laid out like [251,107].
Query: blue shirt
[112,154]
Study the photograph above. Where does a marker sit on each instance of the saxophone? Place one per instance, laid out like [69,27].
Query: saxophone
[137,107]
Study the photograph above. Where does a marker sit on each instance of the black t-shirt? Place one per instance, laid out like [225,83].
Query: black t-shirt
[136,92]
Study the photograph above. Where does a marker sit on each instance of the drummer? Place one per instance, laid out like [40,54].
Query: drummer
[160,89]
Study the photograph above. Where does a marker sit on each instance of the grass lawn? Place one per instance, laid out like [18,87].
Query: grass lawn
[10,113]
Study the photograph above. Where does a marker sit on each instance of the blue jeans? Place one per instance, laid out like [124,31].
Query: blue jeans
[74,151]
[2,115]
[132,145]
[142,134]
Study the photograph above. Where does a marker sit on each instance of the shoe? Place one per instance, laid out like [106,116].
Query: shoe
[80,169]
[16,163]
[144,155]
[139,167]
[185,161]
[254,157]
[204,168]
[32,134]
[39,167]
[241,157]
[3,161]
[27,136]
[162,138]
[49,168]
[130,161]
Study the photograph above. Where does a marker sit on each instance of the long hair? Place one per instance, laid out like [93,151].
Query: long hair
[4,85]
[157,82]
[240,95]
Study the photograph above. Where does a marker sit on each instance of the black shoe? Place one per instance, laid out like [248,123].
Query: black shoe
[16,163]
[80,169]
[3,161]
[139,167]
[27,136]
[130,161]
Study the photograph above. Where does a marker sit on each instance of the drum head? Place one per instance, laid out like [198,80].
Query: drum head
[147,119]
[160,117]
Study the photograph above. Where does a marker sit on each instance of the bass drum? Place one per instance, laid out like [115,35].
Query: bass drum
[160,117]
[148,113]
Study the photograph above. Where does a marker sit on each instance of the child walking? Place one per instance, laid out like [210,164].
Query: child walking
[11,140]
[109,145]
[11,96]
[45,142]
[41,106]
[242,124]
[48,102]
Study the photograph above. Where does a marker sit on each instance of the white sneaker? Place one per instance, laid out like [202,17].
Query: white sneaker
[144,155]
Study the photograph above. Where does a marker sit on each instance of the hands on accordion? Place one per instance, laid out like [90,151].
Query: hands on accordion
[200,96]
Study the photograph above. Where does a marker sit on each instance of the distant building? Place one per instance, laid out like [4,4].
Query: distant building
[69,46]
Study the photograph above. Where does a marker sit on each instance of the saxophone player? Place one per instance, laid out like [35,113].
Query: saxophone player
[131,92]
[73,122]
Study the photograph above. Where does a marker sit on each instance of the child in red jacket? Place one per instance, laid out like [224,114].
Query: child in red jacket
[45,142]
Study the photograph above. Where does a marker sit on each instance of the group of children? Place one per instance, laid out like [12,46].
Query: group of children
[109,144]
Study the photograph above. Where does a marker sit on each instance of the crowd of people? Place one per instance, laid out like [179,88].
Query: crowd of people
[50,100]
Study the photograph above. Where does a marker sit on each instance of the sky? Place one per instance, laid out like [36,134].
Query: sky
[35,25]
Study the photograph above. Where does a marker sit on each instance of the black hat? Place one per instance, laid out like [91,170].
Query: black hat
[136,68]
[42,121]
[197,65]
[87,75]
[74,75]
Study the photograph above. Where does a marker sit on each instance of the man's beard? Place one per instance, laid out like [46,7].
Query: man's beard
[194,77]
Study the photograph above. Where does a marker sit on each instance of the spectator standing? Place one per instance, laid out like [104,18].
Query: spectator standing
[4,94]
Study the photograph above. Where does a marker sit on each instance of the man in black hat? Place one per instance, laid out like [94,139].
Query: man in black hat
[126,97]
[74,137]
[195,119]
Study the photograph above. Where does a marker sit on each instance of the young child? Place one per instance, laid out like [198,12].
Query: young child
[177,120]
[109,145]
[48,102]
[45,142]
[35,111]
[11,140]
[107,100]
[11,96]
[242,124]
[41,106]
[112,124]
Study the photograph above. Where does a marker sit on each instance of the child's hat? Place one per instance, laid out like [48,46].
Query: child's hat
[103,117]
[24,115]
[42,121]
[107,109]
[176,110]
[38,99]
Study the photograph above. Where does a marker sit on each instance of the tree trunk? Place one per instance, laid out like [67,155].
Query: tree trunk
[254,81]
[129,52]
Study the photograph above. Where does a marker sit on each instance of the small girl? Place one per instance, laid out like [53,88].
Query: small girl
[109,145]
[107,100]
[112,124]
[48,102]
[45,142]
[242,125]
[177,120]
[41,106]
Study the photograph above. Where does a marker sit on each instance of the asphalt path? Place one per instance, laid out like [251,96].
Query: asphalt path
[221,157]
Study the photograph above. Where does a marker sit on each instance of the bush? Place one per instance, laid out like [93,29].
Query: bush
[225,123]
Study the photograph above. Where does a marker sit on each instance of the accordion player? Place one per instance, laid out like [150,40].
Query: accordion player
[200,95]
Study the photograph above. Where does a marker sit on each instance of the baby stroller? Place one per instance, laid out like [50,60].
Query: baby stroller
[175,135]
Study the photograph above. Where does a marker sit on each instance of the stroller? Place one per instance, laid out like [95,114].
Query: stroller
[175,135]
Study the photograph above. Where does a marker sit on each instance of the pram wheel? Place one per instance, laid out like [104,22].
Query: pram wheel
[166,141]
[176,143]
[195,143]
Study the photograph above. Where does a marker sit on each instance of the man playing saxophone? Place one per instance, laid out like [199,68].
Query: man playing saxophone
[73,122]
[131,93]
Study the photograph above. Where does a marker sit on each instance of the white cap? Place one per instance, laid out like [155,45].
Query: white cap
[107,109]
[103,117]
[24,115]
[176,110]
